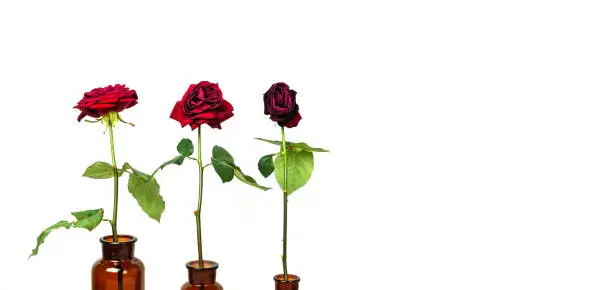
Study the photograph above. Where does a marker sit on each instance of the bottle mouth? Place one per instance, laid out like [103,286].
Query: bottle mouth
[121,239]
[204,275]
[206,265]
[123,248]
[280,278]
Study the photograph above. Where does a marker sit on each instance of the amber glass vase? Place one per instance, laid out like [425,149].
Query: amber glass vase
[292,282]
[118,269]
[202,278]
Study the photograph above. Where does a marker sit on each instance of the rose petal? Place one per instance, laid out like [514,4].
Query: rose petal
[194,126]
[81,116]
[294,122]
[102,106]
[177,114]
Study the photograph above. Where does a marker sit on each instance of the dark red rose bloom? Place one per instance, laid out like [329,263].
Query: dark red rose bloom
[100,101]
[202,104]
[279,103]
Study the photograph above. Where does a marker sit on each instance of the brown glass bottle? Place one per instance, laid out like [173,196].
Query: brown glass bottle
[292,282]
[202,278]
[118,269]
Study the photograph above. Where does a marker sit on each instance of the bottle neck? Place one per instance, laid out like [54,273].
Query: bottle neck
[202,275]
[121,250]
[292,282]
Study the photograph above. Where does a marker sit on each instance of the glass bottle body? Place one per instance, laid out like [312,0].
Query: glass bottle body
[118,269]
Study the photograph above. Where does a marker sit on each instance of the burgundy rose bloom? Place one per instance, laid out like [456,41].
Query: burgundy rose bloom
[202,104]
[279,103]
[98,102]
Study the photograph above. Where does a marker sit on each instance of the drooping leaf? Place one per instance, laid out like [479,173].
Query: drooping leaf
[185,147]
[41,238]
[88,219]
[279,143]
[221,154]
[138,173]
[223,162]
[146,192]
[100,170]
[178,160]
[303,146]
[224,170]
[291,146]
[299,168]
[266,165]
[247,179]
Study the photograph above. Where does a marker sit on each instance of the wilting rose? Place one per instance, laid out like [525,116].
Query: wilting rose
[203,103]
[99,102]
[279,103]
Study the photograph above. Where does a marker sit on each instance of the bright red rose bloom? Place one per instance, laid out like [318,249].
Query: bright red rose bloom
[98,102]
[203,103]
[279,103]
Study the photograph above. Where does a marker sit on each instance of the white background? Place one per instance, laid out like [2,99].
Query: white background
[470,140]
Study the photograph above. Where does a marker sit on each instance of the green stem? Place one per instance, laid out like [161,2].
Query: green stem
[116,182]
[199,210]
[284,149]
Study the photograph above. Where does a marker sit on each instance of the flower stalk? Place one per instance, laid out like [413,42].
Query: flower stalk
[116,182]
[200,189]
[284,153]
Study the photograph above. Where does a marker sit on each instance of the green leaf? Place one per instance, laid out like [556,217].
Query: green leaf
[266,165]
[224,170]
[41,238]
[145,189]
[100,170]
[185,147]
[146,192]
[299,168]
[221,154]
[178,160]
[291,146]
[279,143]
[247,179]
[138,173]
[304,147]
[223,162]
[88,219]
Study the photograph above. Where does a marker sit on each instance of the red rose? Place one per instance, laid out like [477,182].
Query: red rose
[202,104]
[99,102]
[279,103]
